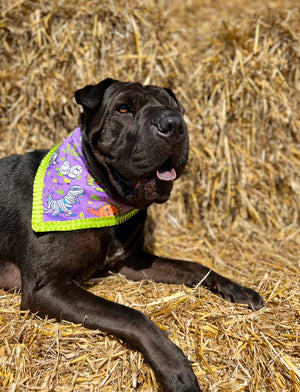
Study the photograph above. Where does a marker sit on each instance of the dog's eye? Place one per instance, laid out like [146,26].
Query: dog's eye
[123,109]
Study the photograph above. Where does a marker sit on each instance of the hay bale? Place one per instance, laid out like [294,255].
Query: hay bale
[235,67]
[246,103]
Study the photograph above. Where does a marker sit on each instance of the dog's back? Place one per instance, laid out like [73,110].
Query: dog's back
[16,178]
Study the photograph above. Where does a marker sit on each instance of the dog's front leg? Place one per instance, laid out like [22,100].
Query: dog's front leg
[64,299]
[160,269]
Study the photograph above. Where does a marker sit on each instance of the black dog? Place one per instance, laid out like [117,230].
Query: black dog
[134,145]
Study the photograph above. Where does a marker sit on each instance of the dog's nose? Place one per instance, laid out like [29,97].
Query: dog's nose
[171,126]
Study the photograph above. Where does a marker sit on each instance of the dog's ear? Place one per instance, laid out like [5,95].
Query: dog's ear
[91,96]
[170,92]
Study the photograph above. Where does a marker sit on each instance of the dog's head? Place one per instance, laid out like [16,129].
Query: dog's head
[134,139]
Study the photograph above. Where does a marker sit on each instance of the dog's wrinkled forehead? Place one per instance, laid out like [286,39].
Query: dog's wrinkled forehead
[137,95]
[112,91]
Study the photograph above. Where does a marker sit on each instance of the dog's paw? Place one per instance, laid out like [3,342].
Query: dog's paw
[237,293]
[179,380]
[172,369]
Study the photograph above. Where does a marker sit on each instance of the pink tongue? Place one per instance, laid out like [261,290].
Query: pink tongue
[166,175]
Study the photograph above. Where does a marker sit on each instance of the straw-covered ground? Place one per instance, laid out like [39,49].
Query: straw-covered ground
[236,67]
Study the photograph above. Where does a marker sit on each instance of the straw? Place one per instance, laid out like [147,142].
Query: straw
[235,67]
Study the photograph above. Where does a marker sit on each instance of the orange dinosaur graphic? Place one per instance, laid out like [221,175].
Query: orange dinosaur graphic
[104,211]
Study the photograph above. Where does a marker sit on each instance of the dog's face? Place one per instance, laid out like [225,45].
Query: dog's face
[134,138]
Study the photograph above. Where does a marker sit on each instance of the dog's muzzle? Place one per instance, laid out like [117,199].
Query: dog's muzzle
[170,126]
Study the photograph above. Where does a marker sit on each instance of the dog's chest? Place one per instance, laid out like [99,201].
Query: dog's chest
[116,253]
[96,251]
[125,240]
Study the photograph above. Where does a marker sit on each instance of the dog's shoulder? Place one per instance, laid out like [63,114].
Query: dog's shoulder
[17,164]
[17,173]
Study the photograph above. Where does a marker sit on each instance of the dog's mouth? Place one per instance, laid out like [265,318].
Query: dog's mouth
[144,190]
[166,172]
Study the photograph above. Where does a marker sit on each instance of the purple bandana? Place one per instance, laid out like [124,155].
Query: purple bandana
[66,196]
